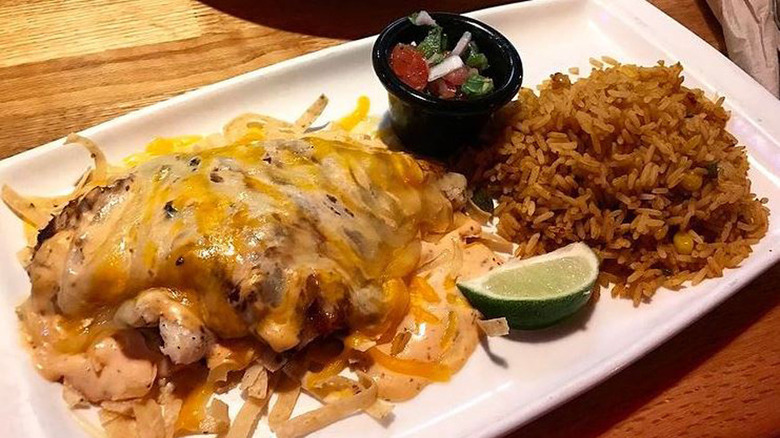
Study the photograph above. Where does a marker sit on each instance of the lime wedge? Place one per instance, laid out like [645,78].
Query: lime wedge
[536,292]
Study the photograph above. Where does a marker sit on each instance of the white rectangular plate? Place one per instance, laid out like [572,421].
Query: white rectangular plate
[537,371]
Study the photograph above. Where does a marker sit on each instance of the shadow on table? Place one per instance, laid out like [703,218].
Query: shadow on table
[601,408]
[343,19]
[574,323]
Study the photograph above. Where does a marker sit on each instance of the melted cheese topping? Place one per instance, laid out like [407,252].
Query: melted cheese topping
[252,234]
[440,325]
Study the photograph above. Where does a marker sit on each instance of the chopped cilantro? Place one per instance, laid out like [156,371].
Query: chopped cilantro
[435,59]
[477,86]
[432,43]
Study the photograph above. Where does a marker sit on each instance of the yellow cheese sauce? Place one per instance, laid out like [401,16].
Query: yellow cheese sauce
[443,326]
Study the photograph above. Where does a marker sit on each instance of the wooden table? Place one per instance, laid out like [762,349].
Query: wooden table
[69,64]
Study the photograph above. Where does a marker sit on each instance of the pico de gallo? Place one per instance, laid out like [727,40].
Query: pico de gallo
[432,67]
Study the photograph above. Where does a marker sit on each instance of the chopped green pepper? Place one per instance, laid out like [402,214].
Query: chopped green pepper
[476,59]
[432,44]
[477,85]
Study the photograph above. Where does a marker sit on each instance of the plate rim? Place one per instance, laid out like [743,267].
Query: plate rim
[676,41]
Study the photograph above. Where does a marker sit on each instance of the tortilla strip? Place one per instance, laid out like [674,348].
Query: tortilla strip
[288,391]
[117,425]
[217,419]
[311,114]
[494,327]
[149,419]
[317,419]
[246,420]
[255,382]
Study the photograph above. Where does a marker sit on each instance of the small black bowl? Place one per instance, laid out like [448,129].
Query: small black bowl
[437,127]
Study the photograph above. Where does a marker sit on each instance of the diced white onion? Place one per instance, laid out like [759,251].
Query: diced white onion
[424,19]
[450,64]
[462,43]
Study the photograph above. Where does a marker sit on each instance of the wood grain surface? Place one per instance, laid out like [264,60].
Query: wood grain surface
[66,65]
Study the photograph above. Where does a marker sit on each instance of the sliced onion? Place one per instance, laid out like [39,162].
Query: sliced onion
[25,208]
[424,19]
[450,64]
[101,164]
[464,41]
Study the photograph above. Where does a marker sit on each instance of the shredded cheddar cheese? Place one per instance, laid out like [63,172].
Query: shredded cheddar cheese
[359,114]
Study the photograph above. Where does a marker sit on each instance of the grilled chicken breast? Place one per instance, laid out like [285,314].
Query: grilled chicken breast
[281,240]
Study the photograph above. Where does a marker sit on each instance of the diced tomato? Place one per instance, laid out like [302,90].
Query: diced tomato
[409,65]
[441,88]
[458,77]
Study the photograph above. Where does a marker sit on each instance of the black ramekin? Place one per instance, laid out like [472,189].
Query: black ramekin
[438,127]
